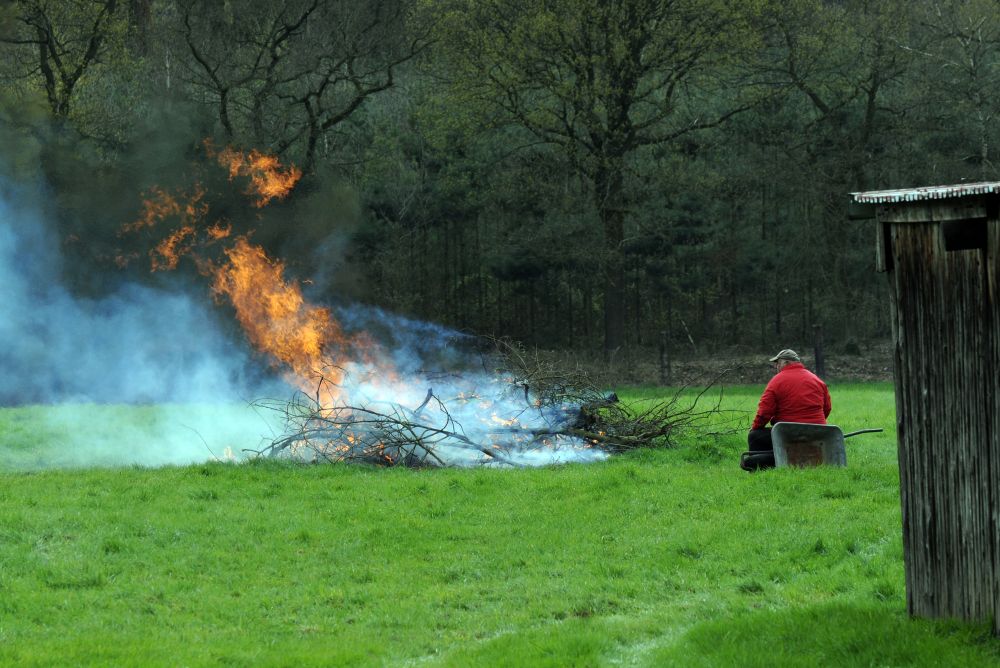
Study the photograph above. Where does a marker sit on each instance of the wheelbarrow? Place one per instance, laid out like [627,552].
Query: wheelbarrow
[800,444]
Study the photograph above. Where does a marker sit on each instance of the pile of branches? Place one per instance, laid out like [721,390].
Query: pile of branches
[556,410]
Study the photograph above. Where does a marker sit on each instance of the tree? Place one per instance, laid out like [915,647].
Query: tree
[285,75]
[961,45]
[601,80]
[846,122]
[58,43]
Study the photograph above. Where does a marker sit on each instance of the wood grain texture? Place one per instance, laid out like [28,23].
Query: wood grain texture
[946,328]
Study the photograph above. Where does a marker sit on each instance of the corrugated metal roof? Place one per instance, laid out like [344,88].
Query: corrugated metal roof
[928,192]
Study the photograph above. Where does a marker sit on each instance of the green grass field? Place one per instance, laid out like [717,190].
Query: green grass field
[654,558]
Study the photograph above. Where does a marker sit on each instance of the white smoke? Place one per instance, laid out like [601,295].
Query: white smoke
[137,345]
[480,404]
[145,376]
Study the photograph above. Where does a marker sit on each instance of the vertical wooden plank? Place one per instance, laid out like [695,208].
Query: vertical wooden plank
[908,287]
[966,406]
[943,396]
[992,317]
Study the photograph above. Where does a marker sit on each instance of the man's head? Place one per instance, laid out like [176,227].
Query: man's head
[786,356]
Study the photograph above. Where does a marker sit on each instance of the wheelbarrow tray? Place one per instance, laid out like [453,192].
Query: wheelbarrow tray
[801,444]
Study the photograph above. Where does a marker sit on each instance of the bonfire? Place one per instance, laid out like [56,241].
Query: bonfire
[354,399]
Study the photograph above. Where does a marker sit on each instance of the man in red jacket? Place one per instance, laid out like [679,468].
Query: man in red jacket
[795,394]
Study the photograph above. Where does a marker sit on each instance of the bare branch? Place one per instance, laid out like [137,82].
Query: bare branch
[560,413]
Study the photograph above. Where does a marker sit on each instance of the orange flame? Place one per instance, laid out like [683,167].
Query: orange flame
[268,180]
[168,252]
[278,320]
[219,231]
[161,205]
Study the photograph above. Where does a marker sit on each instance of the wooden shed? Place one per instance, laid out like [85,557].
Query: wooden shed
[940,247]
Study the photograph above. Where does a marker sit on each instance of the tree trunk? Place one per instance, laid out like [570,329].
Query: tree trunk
[664,359]
[777,311]
[138,26]
[532,325]
[818,353]
[638,308]
[571,326]
[608,191]
[422,286]
[499,314]
[227,124]
[480,283]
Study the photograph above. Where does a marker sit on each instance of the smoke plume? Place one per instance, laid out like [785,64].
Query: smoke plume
[134,345]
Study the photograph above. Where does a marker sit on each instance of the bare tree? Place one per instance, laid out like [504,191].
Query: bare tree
[59,43]
[285,75]
[963,51]
[844,59]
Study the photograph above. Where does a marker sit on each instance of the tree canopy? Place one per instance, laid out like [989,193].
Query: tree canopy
[597,175]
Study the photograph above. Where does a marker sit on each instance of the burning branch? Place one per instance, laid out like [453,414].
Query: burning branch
[391,436]
[355,404]
[548,416]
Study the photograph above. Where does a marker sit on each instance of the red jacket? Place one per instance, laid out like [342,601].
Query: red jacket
[795,394]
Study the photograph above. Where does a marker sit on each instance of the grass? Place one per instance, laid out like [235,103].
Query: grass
[655,558]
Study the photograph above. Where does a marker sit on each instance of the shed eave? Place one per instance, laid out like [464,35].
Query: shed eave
[898,196]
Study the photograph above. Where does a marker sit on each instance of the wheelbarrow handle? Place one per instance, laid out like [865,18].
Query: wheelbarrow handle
[862,431]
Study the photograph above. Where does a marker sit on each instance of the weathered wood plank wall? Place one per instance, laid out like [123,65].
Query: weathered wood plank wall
[993,396]
[946,329]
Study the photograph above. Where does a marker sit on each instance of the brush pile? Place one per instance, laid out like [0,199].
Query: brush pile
[517,411]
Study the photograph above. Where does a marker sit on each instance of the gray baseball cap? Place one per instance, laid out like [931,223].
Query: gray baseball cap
[786,354]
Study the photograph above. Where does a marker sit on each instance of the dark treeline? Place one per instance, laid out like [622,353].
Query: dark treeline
[585,174]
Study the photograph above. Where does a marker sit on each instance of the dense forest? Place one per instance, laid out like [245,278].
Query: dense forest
[595,175]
